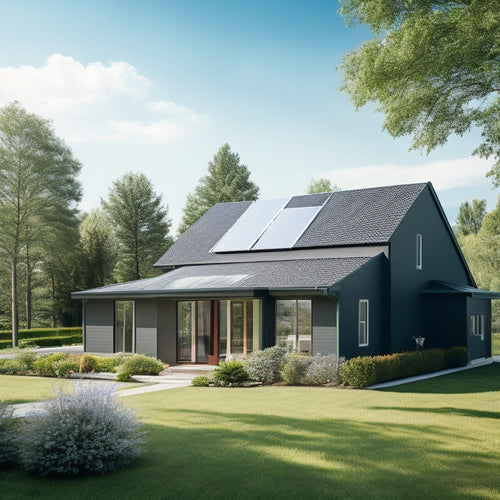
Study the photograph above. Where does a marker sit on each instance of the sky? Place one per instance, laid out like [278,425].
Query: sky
[158,86]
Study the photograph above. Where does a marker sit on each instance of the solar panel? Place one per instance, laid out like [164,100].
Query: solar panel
[249,227]
[286,228]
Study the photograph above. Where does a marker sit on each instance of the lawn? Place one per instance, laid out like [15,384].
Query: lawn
[433,439]
[495,344]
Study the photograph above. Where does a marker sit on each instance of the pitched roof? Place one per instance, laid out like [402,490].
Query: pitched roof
[289,274]
[347,218]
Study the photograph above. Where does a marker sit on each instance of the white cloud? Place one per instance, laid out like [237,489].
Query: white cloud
[182,112]
[444,174]
[157,132]
[64,84]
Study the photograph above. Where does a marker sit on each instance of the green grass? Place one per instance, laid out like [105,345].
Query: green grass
[15,389]
[432,439]
[495,344]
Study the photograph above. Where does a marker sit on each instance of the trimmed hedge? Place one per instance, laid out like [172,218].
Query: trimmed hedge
[39,333]
[368,370]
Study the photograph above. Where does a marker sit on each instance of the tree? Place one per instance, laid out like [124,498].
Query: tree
[38,181]
[140,223]
[321,185]
[432,68]
[470,217]
[227,180]
[99,249]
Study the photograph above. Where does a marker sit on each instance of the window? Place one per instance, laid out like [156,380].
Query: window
[194,330]
[419,252]
[294,325]
[477,325]
[363,329]
[124,326]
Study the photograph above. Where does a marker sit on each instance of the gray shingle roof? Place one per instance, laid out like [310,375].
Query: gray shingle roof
[238,276]
[357,217]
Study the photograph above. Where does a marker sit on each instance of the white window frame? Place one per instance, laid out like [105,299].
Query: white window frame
[419,254]
[364,325]
[476,325]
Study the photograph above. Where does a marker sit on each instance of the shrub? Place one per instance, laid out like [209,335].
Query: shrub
[139,364]
[8,425]
[26,358]
[88,364]
[324,369]
[66,367]
[106,364]
[265,366]
[88,432]
[456,356]
[11,367]
[295,369]
[230,373]
[200,382]
[44,365]
[359,372]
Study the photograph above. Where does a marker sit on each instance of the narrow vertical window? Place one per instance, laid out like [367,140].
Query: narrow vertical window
[419,252]
[477,325]
[363,322]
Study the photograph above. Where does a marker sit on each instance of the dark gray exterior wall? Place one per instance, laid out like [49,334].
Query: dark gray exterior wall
[477,347]
[441,261]
[99,326]
[369,282]
[167,331]
[324,325]
[146,326]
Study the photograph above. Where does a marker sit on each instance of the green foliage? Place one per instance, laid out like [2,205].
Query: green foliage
[368,370]
[455,357]
[432,69]
[359,372]
[321,185]
[99,249]
[11,367]
[141,225]
[65,367]
[88,364]
[8,431]
[45,365]
[38,333]
[26,359]
[470,217]
[295,369]
[265,366]
[200,382]
[227,180]
[107,364]
[88,432]
[139,365]
[230,373]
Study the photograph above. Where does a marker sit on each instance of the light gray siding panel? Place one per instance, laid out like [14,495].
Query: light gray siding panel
[145,341]
[99,338]
[324,340]
[99,326]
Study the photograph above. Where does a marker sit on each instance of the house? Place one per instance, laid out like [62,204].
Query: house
[359,272]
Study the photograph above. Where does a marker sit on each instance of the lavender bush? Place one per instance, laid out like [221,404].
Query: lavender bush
[88,432]
[324,369]
[265,366]
[8,424]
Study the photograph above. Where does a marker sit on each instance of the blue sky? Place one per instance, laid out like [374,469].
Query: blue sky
[159,86]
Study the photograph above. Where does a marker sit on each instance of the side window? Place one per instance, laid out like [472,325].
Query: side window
[476,328]
[419,252]
[363,325]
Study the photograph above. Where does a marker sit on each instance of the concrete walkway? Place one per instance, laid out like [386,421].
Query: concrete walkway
[173,378]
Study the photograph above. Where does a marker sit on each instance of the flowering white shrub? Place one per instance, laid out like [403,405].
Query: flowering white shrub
[7,434]
[265,366]
[88,432]
[324,369]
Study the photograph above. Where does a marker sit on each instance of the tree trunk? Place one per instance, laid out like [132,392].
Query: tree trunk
[28,289]
[15,319]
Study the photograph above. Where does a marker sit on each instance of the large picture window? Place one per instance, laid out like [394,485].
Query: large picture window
[477,325]
[294,325]
[363,323]
[194,330]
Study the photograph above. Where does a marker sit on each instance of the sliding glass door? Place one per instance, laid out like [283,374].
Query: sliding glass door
[194,330]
